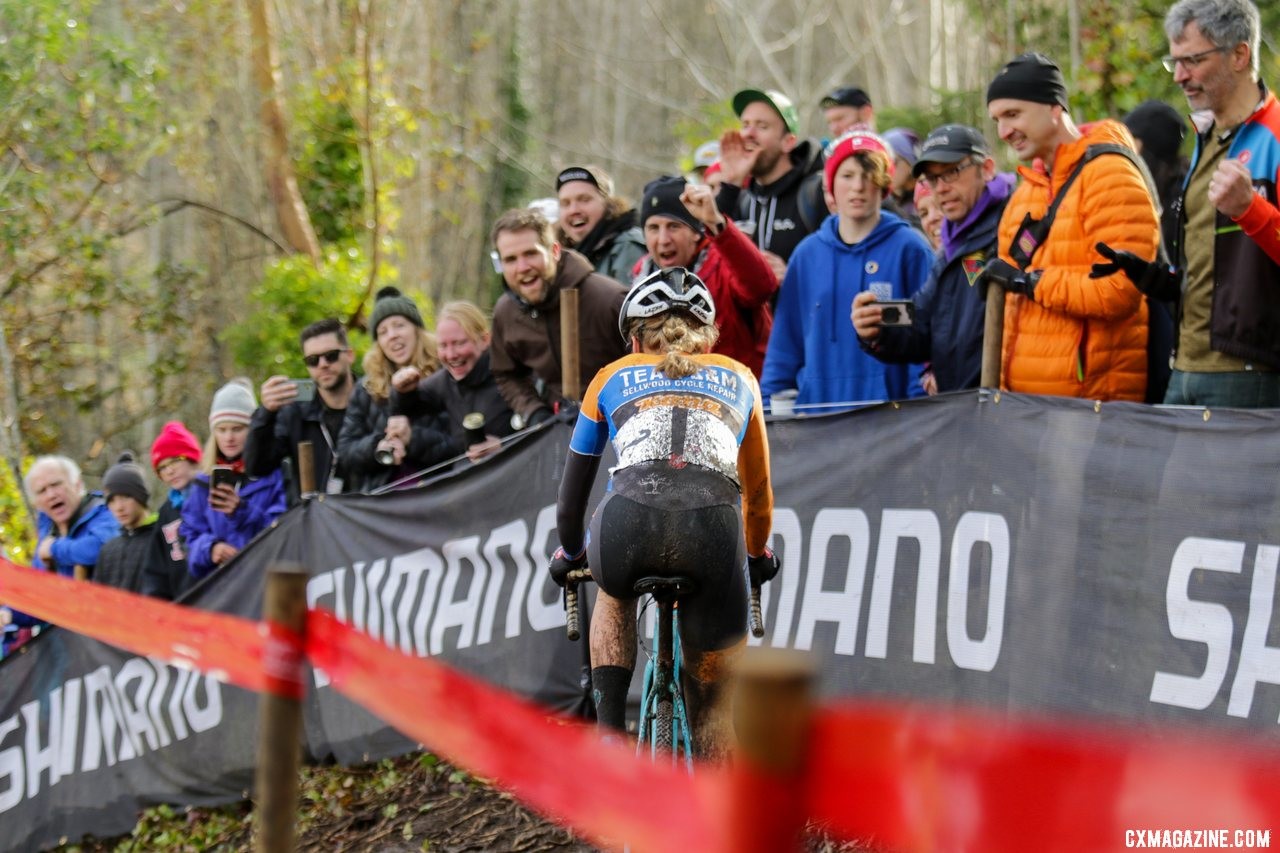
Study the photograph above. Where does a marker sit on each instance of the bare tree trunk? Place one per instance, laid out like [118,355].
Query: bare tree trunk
[10,432]
[282,181]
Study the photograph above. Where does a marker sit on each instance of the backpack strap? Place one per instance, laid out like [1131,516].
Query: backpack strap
[1092,152]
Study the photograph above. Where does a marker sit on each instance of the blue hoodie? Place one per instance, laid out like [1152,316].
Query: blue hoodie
[813,346]
[92,526]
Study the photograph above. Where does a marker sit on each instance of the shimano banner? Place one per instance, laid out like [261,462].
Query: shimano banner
[1030,553]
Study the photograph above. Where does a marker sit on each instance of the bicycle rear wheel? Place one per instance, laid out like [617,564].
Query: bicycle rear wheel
[662,724]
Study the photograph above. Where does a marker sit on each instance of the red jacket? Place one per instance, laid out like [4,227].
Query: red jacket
[741,283]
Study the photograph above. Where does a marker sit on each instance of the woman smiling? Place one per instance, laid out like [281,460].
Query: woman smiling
[466,386]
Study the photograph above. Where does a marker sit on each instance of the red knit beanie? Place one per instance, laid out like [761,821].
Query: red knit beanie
[174,440]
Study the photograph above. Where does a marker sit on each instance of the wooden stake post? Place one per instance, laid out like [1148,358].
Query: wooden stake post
[280,717]
[772,715]
[570,370]
[306,469]
[993,337]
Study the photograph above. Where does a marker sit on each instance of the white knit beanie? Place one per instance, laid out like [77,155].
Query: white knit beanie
[234,403]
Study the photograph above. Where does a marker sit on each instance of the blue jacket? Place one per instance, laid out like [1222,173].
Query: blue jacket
[813,346]
[92,526]
[950,312]
[261,501]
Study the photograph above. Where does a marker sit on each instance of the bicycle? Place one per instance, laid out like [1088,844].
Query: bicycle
[664,720]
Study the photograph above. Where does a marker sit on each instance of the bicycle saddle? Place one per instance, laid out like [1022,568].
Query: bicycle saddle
[666,588]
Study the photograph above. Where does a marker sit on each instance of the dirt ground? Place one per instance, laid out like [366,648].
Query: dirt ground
[411,803]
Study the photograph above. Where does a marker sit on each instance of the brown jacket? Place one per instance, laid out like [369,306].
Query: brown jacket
[526,338]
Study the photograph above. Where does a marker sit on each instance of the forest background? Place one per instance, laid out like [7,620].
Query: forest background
[185,184]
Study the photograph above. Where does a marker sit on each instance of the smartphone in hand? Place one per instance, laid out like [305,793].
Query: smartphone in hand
[896,312]
[305,390]
[223,475]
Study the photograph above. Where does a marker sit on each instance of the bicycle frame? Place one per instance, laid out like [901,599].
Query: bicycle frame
[664,720]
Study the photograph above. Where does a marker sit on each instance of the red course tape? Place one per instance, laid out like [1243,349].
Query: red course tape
[229,648]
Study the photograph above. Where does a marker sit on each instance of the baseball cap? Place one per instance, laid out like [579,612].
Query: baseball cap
[781,105]
[706,154]
[846,96]
[951,143]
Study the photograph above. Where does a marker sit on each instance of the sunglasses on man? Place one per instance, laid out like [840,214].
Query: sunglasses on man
[328,357]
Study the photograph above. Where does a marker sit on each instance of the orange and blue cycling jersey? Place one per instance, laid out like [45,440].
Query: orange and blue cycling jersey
[711,420]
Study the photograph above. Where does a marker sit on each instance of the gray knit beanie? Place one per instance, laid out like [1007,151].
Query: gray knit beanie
[390,302]
[127,478]
[233,403]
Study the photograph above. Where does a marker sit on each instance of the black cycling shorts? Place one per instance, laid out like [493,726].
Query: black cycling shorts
[631,540]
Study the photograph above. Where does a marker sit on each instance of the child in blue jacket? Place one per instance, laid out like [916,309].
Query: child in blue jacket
[219,520]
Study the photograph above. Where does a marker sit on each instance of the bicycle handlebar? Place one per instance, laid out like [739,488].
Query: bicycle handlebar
[571,624]
[756,616]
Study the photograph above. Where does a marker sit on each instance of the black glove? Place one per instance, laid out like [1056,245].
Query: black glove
[562,564]
[538,416]
[567,411]
[764,568]
[1154,279]
[1009,277]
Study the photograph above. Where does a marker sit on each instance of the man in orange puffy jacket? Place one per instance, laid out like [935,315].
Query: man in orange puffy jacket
[1065,333]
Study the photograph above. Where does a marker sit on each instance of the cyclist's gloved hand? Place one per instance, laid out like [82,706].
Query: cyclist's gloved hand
[764,568]
[562,564]
[1001,272]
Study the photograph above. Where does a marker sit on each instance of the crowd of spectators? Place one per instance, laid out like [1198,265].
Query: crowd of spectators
[1118,259]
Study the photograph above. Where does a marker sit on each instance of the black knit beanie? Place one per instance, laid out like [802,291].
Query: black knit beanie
[662,198]
[1030,77]
[126,477]
[1159,126]
[390,302]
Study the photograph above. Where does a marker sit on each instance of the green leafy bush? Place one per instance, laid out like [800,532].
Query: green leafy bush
[17,533]
[293,293]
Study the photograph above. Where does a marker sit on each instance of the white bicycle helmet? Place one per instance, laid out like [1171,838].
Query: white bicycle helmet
[663,291]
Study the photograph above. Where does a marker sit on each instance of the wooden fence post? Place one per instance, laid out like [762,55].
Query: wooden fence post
[993,337]
[570,370]
[306,469]
[280,717]
[773,713]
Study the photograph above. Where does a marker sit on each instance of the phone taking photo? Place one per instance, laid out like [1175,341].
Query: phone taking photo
[223,475]
[897,312]
[304,390]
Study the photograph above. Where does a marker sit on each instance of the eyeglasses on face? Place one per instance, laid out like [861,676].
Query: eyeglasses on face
[948,177]
[329,357]
[1171,63]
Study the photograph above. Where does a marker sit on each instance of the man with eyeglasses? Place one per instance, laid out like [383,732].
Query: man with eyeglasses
[285,419]
[1228,255]
[1067,333]
[956,163]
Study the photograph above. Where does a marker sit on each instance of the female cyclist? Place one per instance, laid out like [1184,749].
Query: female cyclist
[693,464]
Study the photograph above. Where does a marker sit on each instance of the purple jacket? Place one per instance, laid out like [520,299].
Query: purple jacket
[261,501]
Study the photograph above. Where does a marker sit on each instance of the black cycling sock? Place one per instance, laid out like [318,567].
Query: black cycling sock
[609,686]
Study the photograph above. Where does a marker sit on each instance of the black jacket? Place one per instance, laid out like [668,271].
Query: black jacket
[441,394]
[778,216]
[166,575]
[950,310]
[124,561]
[365,425]
[275,436]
